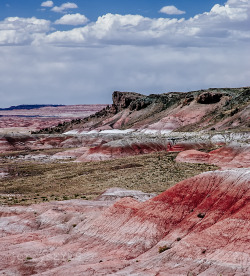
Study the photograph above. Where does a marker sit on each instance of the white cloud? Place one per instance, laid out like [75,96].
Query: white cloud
[72,19]
[64,7]
[17,30]
[223,25]
[119,29]
[171,10]
[229,11]
[124,52]
[47,4]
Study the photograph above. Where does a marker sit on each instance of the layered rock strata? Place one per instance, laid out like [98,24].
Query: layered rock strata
[198,227]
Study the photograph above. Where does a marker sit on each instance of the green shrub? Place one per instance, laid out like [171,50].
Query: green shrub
[164,248]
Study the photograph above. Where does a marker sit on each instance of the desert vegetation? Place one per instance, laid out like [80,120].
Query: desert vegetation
[33,182]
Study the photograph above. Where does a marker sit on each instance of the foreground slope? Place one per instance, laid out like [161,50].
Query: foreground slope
[202,223]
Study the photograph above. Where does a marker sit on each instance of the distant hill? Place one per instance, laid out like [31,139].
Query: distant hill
[30,106]
[211,109]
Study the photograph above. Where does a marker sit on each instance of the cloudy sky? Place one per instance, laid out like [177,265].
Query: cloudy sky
[79,52]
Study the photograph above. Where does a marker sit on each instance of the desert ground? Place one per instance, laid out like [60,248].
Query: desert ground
[150,185]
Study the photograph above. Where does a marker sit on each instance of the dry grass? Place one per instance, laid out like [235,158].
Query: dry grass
[32,182]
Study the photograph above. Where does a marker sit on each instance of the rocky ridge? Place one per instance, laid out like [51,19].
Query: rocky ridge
[212,109]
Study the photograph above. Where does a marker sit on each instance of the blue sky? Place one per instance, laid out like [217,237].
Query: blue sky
[71,52]
[94,8]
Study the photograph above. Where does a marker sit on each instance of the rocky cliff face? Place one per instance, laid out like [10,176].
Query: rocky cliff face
[212,109]
[122,100]
[209,97]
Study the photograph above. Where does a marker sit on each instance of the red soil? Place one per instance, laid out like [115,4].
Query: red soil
[183,116]
[225,157]
[119,149]
[25,124]
[203,222]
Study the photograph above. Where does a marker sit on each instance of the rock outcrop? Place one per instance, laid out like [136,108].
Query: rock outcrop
[122,100]
[209,98]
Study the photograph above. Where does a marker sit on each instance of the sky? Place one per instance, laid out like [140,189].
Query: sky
[79,52]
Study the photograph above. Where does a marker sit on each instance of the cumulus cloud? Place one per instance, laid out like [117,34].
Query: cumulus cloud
[72,19]
[172,10]
[238,12]
[47,4]
[17,30]
[116,29]
[224,24]
[64,7]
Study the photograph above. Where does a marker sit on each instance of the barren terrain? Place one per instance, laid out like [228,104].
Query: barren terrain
[27,120]
[155,185]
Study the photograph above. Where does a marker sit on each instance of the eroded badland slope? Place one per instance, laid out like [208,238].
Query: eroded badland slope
[199,226]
